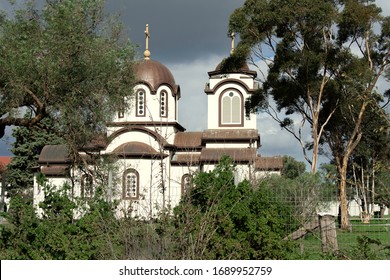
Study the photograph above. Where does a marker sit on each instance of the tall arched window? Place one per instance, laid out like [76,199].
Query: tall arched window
[130,184]
[121,109]
[140,103]
[186,181]
[231,112]
[87,186]
[163,104]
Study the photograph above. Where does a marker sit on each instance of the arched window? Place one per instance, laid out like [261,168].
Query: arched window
[141,103]
[186,183]
[121,110]
[163,104]
[130,184]
[87,186]
[231,112]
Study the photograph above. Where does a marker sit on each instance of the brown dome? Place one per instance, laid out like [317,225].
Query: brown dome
[244,69]
[155,74]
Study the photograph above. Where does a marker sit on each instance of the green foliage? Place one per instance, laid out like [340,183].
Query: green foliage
[26,149]
[292,168]
[304,195]
[216,219]
[314,70]
[67,62]
[57,234]
[220,220]
[383,188]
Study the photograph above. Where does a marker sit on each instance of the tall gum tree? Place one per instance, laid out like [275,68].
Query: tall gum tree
[68,62]
[318,54]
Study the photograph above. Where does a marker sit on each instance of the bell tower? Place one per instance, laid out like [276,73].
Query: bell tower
[227,92]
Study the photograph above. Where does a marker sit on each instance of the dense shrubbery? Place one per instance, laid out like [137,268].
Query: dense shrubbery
[220,220]
[216,219]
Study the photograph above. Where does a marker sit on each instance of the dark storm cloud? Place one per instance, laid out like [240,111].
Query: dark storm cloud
[179,30]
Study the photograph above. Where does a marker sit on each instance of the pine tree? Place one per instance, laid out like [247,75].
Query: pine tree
[26,149]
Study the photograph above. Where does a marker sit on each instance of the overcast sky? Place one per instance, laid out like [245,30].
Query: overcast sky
[190,38]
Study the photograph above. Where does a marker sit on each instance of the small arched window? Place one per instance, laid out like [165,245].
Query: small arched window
[140,103]
[231,112]
[163,104]
[130,184]
[186,183]
[121,110]
[87,186]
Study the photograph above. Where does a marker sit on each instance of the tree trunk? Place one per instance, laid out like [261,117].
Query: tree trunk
[3,186]
[343,198]
[382,211]
[314,159]
[328,233]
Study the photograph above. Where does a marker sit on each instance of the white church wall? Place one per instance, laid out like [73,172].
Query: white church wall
[166,132]
[228,145]
[171,109]
[130,136]
[153,174]
[354,209]
[213,108]
[176,176]
[39,192]
[248,80]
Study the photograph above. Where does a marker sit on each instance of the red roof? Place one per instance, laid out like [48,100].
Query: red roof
[269,163]
[4,161]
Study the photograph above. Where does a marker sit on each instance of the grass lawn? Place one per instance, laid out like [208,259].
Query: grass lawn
[364,241]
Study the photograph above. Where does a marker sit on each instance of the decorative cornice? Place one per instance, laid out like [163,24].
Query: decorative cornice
[209,90]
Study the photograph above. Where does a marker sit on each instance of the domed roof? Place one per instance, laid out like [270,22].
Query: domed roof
[155,74]
[243,69]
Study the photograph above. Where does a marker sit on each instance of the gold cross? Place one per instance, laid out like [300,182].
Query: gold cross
[147,52]
[232,36]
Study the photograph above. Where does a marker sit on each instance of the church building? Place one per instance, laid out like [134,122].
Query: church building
[154,156]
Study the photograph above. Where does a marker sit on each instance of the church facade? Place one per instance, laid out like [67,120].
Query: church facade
[154,156]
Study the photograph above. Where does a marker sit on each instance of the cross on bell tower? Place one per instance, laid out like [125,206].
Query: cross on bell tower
[147,52]
[232,35]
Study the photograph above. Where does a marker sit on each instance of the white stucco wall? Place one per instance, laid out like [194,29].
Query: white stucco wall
[39,192]
[152,104]
[213,101]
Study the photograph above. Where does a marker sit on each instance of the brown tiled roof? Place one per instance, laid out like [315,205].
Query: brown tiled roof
[243,69]
[133,149]
[148,131]
[155,74]
[269,163]
[231,135]
[4,161]
[54,154]
[178,126]
[99,143]
[237,154]
[188,140]
[55,170]
[186,159]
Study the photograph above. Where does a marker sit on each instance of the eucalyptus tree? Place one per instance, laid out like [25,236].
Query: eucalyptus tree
[318,54]
[68,62]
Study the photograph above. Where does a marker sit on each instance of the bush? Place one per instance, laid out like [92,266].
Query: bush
[220,220]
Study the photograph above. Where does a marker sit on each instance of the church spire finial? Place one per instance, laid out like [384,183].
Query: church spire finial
[232,35]
[147,52]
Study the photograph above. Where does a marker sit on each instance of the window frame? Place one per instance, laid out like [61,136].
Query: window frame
[137,110]
[84,185]
[236,93]
[184,184]
[165,93]
[121,110]
[124,184]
